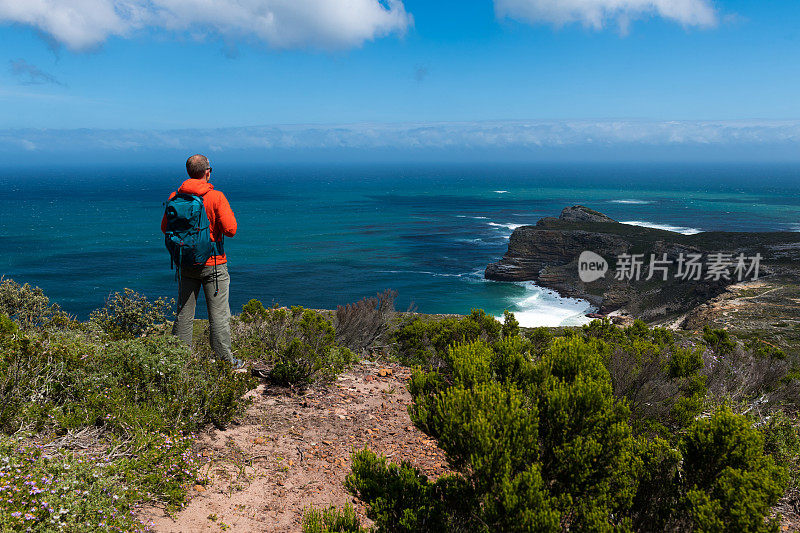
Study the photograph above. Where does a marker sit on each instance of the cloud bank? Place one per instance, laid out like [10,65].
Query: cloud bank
[597,13]
[621,139]
[326,24]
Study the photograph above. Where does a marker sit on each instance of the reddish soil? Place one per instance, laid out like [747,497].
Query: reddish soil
[290,451]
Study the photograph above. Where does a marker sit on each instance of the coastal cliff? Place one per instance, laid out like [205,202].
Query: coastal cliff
[548,253]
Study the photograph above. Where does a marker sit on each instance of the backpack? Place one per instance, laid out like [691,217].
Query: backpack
[188,233]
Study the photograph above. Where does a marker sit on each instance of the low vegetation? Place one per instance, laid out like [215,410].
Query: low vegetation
[585,429]
[599,428]
[101,414]
[297,345]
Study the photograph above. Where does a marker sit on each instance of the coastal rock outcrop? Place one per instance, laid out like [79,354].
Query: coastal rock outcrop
[548,253]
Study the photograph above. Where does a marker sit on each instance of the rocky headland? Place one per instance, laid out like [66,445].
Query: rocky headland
[548,254]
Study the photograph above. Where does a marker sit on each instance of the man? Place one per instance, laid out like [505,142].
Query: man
[213,276]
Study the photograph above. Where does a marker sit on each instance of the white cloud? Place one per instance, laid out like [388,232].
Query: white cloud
[329,24]
[597,13]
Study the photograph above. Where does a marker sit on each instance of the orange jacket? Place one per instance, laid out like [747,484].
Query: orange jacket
[220,214]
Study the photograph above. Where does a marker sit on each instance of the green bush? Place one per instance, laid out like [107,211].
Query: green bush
[782,443]
[29,306]
[537,444]
[661,381]
[541,444]
[540,339]
[762,348]
[731,485]
[63,380]
[297,343]
[425,341]
[128,315]
[510,325]
[332,520]
[401,499]
[718,340]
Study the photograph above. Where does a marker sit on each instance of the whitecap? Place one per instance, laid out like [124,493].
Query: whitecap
[677,229]
[512,227]
[543,307]
[500,192]
[426,272]
[635,202]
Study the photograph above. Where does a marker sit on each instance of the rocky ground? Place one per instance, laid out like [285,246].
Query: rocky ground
[767,310]
[292,450]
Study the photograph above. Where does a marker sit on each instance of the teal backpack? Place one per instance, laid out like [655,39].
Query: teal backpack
[188,234]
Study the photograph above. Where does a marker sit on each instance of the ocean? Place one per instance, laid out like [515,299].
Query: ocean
[324,235]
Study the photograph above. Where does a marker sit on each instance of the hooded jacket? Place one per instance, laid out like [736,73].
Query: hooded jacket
[220,214]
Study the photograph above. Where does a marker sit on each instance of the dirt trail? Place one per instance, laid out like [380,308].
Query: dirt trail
[291,451]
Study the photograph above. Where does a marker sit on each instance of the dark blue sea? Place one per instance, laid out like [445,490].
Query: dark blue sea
[320,236]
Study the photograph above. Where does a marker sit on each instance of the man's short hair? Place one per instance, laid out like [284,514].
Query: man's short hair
[197,165]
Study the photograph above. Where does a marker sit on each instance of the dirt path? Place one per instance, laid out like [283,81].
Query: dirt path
[289,452]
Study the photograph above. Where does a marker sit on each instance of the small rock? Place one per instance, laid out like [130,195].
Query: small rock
[199,488]
[368,378]
[327,442]
[258,440]
[383,372]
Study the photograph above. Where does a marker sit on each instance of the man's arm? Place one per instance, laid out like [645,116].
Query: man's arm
[226,219]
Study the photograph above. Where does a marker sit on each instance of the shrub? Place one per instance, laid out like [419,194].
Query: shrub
[297,343]
[425,341]
[541,444]
[718,340]
[658,493]
[661,381]
[332,520]
[730,484]
[67,382]
[367,323]
[782,443]
[762,348]
[537,444]
[540,339]
[401,499]
[29,306]
[510,325]
[129,314]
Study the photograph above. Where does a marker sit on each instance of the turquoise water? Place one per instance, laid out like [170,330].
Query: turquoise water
[323,236]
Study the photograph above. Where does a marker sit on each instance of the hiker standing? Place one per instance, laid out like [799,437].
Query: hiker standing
[196,220]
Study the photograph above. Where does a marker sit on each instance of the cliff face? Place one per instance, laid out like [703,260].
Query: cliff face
[548,252]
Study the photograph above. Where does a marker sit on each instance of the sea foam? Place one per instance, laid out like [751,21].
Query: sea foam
[543,307]
[512,227]
[667,227]
[634,202]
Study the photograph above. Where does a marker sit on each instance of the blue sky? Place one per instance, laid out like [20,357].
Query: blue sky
[170,65]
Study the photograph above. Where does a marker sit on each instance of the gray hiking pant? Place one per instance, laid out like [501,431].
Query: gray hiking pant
[219,311]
